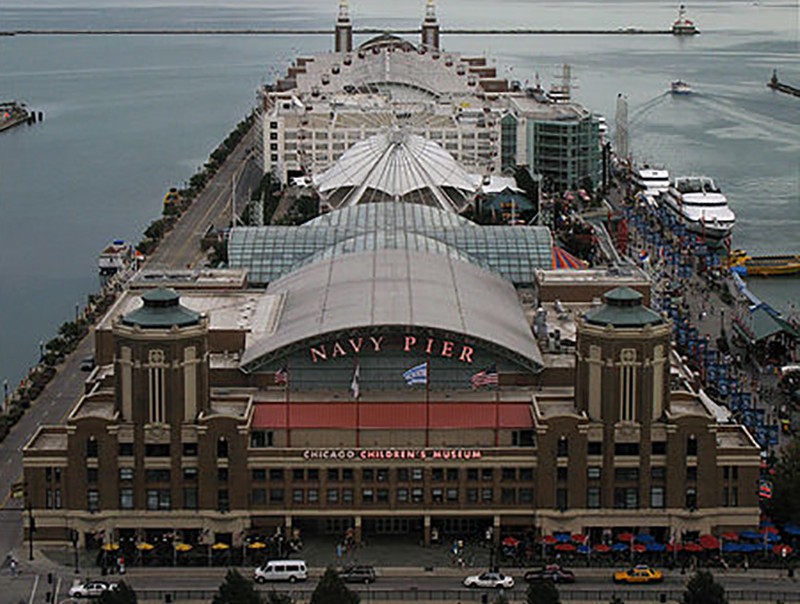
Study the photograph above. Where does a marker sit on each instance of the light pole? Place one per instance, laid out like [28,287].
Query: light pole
[73,535]
[31,529]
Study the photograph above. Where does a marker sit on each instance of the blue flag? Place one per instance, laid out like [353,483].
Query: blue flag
[417,374]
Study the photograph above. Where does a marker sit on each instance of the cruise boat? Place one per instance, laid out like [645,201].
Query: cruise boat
[700,205]
[652,181]
[683,26]
[680,87]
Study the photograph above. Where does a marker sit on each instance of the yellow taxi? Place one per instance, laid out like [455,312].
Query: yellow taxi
[639,574]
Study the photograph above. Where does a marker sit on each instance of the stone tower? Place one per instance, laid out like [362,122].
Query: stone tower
[344,29]
[430,27]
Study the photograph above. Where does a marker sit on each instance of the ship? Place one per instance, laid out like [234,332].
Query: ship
[680,87]
[699,204]
[764,266]
[682,25]
[115,257]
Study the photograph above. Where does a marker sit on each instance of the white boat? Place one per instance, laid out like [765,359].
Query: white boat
[700,205]
[116,257]
[680,87]
[652,181]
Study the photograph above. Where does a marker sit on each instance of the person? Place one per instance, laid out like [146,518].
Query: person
[13,566]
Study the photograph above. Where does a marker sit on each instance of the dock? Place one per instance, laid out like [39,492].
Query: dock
[776,84]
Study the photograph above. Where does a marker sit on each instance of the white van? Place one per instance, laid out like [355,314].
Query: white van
[281,570]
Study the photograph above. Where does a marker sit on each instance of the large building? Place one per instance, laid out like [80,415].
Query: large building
[328,102]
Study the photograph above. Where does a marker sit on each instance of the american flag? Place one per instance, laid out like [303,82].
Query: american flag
[282,376]
[487,377]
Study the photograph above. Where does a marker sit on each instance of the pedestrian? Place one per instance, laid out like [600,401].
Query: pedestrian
[13,566]
[339,551]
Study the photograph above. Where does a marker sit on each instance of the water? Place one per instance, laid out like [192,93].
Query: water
[126,117]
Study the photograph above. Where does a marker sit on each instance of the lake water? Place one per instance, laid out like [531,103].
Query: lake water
[126,117]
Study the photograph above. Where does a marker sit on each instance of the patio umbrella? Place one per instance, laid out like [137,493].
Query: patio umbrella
[257,545]
[110,547]
[144,547]
[640,548]
[645,538]
[220,546]
[750,535]
[578,538]
[584,549]
[782,550]
[549,540]
[620,547]
[674,547]
[709,542]
[792,529]
[563,537]
[730,536]
[749,548]
[772,538]
[656,547]
[565,547]
[183,547]
[602,548]
[770,530]
[693,548]
[731,547]
[625,537]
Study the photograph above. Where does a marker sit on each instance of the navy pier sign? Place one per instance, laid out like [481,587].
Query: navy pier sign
[432,347]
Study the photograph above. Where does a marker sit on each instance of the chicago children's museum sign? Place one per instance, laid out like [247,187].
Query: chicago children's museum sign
[393,454]
[407,343]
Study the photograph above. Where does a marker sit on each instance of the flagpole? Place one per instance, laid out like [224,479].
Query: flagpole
[358,407]
[497,414]
[427,400]
[286,404]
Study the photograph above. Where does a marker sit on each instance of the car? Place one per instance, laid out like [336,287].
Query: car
[90,589]
[489,580]
[87,363]
[639,574]
[358,574]
[551,572]
[281,570]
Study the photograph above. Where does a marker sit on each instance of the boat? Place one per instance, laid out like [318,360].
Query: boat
[698,203]
[172,198]
[115,257]
[652,181]
[680,87]
[13,113]
[683,26]
[764,266]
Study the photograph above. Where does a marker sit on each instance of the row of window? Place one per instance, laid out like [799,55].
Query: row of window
[400,474]
[624,449]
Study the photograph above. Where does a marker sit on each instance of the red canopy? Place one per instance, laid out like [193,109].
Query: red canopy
[577,538]
[730,536]
[549,539]
[602,548]
[782,550]
[626,537]
[511,541]
[693,548]
[674,547]
[709,542]
[565,547]
[770,530]
[640,548]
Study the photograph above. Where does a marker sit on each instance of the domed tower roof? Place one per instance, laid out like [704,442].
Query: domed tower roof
[623,308]
[161,309]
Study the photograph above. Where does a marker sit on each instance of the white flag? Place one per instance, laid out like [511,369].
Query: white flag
[355,390]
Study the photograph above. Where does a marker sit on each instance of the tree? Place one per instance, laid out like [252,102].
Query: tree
[123,594]
[276,598]
[783,507]
[501,599]
[332,590]
[236,590]
[542,592]
[616,600]
[703,589]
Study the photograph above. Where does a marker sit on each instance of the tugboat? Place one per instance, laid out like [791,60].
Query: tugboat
[683,26]
[680,87]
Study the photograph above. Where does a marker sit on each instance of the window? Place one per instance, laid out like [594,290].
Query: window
[382,474]
[526,474]
[472,495]
[156,450]
[626,449]
[276,474]
[222,447]
[657,497]
[658,473]
[158,499]
[691,446]
[562,447]
[223,500]
[367,495]
[367,475]
[156,475]
[561,474]
[402,495]
[416,495]
[347,473]
[189,498]
[593,472]
[48,499]
[91,447]
[190,449]
[595,447]
[725,472]
[157,385]
[190,474]
[452,495]
[628,474]
[298,474]
[332,495]
[734,497]
[48,473]
[416,473]
[333,475]
[627,367]
[259,496]
[222,474]
[593,498]
[57,498]
[735,472]
[57,474]
[126,474]
[691,473]
[487,474]
[526,495]
[125,499]
[403,474]
[437,495]
[561,499]
[260,439]
[347,495]
[522,438]
[472,473]
[125,449]
[691,498]
[509,473]
[508,496]
[659,447]
[276,495]
[437,474]
[383,495]
[626,499]
[259,475]
[487,495]
[298,496]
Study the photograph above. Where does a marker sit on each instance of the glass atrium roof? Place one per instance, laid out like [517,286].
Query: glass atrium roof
[268,253]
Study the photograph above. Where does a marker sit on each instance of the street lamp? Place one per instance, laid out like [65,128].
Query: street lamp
[73,536]
[31,529]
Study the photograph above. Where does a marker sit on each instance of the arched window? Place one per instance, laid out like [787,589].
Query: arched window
[91,447]
[222,447]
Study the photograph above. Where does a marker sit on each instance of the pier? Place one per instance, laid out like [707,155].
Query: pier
[776,84]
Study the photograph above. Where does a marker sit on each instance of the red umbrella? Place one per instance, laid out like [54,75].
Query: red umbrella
[709,542]
[770,530]
[579,538]
[602,548]
[549,540]
[565,547]
[693,548]
[511,542]
[640,548]
[730,536]
[782,550]
[674,547]
[625,537]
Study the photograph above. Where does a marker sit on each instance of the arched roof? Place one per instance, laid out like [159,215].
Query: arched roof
[387,40]
[387,288]
[397,166]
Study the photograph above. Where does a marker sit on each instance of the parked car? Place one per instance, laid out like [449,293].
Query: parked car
[639,574]
[87,363]
[489,580]
[90,589]
[551,572]
[358,574]
[281,570]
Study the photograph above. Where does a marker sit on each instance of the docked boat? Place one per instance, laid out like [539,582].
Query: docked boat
[700,205]
[764,266]
[652,181]
[115,257]
[682,25]
[680,87]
